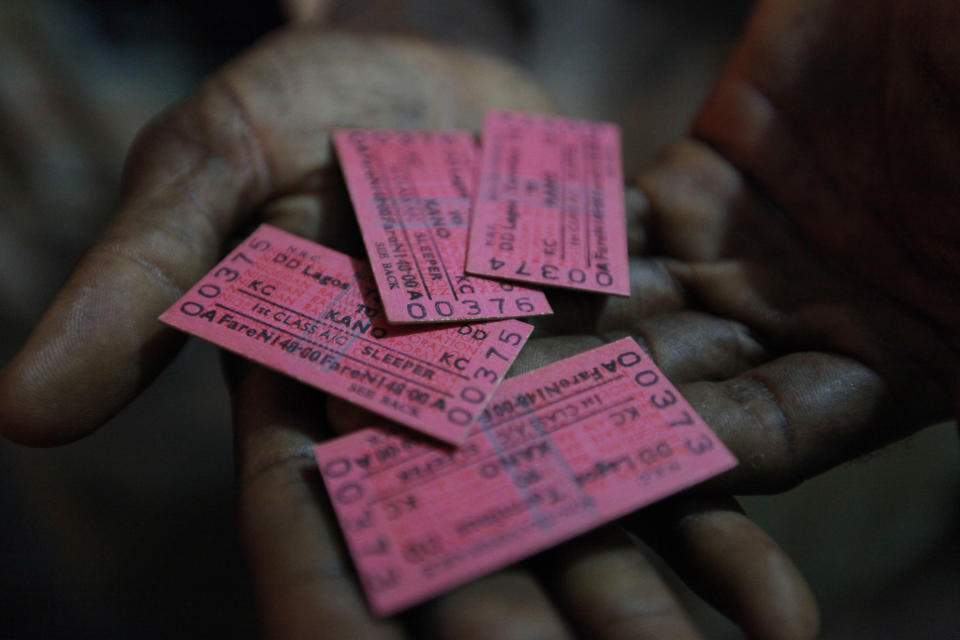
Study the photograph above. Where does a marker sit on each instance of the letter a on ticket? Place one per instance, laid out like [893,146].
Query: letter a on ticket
[558,451]
[411,191]
[314,314]
[549,207]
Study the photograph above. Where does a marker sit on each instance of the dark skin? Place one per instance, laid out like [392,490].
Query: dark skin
[597,586]
[817,206]
[798,284]
[254,144]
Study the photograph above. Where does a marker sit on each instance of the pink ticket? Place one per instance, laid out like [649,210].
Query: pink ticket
[549,206]
[558,451]
[411,191]
[314,314]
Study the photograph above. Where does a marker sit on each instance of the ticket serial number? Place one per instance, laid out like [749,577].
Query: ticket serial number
[558,451]
[314,314]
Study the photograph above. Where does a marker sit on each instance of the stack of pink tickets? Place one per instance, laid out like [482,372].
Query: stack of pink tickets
[459,239]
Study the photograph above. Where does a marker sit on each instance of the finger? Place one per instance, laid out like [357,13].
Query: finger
[695,198]
[732,564]
[508,605]
[611,590]
[260,127]
[799,415]
[304,584]
[739,259]
[99,342]
[801,305]
[653,289]
[686,345]
[689,345]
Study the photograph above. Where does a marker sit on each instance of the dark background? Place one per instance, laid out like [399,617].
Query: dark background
[130,533]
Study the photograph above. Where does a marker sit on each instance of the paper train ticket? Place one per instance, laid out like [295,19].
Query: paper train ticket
[558,451]
[314,314]
[411,191]
[549,206]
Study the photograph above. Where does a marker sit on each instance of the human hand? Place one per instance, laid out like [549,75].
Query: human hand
[804,242]
[844,113]
[599,585]
[253,144]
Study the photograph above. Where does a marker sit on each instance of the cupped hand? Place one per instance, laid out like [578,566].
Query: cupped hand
[600,585]
[802,248]
[253,144]
[845,115]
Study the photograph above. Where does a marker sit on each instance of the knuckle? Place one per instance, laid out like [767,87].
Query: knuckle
[774,456]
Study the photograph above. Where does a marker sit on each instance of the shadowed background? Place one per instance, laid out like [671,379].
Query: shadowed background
[130,532]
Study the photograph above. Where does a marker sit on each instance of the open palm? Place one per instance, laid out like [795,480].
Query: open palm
[254,144]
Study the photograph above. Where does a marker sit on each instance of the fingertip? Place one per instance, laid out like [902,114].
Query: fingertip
[692,193]
[29,418]
[612,590]
[77,370]
[748,575]
[791,612]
